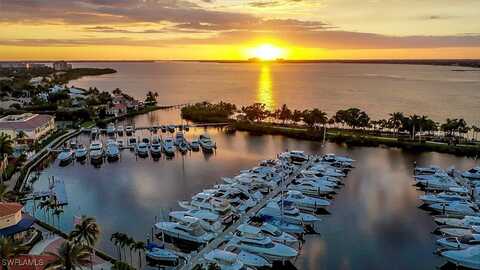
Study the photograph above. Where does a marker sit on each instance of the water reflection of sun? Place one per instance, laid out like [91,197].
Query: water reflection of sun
[265,91]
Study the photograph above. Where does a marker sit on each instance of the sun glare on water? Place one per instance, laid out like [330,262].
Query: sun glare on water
[267,52]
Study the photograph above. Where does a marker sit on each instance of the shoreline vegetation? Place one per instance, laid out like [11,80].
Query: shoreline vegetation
[352,127]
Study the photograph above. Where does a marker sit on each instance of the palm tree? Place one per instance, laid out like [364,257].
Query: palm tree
[5,144]
[86,233]
[139,246]
[284,113]
[122,266]
[9,249]
[130,243]
[395,121]
[3,192]
[115,238]
[475,131]
[296,116]
[70,256]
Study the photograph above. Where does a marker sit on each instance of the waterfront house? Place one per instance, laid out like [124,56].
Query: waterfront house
[13,223]
[32,127]
[117,109]
[61,65]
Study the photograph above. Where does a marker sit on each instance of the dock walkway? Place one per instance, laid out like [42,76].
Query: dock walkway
[196,259]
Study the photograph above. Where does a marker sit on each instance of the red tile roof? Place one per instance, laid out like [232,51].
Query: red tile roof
[30,124]
[9,208]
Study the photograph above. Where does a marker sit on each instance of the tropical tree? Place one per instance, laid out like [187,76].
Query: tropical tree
[5,144]
[355,117]
[296,116]
[86,233]
[122,266]
[9,249]
[255,112]
[314,117]
[70,256]
[395,121]
[130,243]
[284,113]
[151,98]
[139,247]
[115,239]
[475,131]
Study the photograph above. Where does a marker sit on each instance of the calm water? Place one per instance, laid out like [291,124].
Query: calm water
[375,222]
[438,92]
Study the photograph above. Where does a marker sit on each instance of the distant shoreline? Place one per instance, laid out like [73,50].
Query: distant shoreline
[464,63]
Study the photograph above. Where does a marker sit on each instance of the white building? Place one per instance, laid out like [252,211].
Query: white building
[33,126]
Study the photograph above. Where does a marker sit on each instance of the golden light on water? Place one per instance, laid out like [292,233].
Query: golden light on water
[265,91]
[266,52]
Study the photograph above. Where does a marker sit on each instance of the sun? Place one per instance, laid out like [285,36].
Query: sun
[267,52]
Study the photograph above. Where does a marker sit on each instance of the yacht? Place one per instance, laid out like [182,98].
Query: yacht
[183,147]
[171,128]
[321,170]
[263,246]
[432,169]
[65,156]
[168,146]
[311,188]
[111,129]
[472,174]
[96,151]
[163,128]
[186,232]
[156,147]
[120,130]
[94,132]
[287,213]
[455,208]
[224,260]
[319,180]
[179,138]
[458,232]
[443,197]
[459,242]
[436,182]
[334,158]
[120,144]
[252,260]
[469,258]
[266,230]
[195,145]
[132,142]
[112,151]
[146,141]
[466,222]
[305,202]
[297,157]
[209,220]
[280,224]
[159,254]
[206,143]
[129,130]
[142,149]
[207,201]
[81,152]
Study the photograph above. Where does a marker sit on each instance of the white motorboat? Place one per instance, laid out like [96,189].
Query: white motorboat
[263,246]
[207,201]
[129,130]
[155,147]
[171,128]
[305,202]
[459,242]
[472,174]
[296,157]
[188,232]
[334,158]
[206,143]
[112,151]
[195,145]
[224,260]
[432,169]
[96,151]
[168,146]
[443,197]
[209,220]
[111,129]
[132,142]
[252,260]
[81,152]
[287,213]
[146,141]
[266,230]
[311,188]
[322,170]
[179,138]
[65,156]
[159,254]
[120,130]
[437,181]
[466,222]
[455,208]
[94,132]
[120,144]
[142,149]
[320,180]
[469,257]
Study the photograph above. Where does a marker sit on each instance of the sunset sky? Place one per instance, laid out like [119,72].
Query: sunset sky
[232,29]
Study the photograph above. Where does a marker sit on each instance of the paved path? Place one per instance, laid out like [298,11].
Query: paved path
[196,259]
